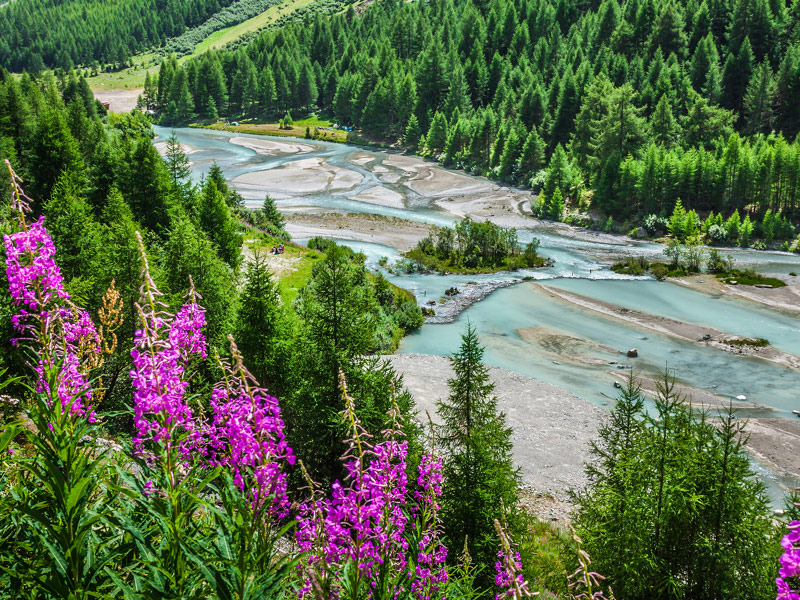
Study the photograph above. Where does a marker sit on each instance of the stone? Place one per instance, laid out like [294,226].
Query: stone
[741,397]
[633,353]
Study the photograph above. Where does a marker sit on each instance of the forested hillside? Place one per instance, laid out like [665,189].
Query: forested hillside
[642,102]
[67,33]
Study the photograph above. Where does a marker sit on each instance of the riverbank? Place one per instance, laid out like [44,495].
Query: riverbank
[690,332]
[400,234]
[552,428]
[786,299]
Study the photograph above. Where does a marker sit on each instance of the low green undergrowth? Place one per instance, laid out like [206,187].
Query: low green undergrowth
[749,277]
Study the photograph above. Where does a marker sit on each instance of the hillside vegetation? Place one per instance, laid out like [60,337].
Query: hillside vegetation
[35,34]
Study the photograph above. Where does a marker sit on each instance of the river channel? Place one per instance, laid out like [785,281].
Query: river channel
[524,327]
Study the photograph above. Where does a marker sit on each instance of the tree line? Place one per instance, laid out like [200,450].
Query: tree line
[640,103]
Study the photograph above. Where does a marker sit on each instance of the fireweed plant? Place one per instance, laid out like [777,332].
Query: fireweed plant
[373,538]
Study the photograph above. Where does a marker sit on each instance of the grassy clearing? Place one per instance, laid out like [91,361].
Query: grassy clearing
[132,77]
[302,259]
[749,277]
[224,36]
[297,130]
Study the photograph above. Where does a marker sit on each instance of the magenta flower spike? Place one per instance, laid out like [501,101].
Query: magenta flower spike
[790,564]
[162,347]
[364,528]
[63,335]
[246,435]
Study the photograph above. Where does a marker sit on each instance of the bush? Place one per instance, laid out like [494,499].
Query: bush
[716,263]
[717,234]
[654,223]
[659,270]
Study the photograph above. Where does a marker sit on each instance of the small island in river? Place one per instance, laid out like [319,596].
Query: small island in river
[472,247]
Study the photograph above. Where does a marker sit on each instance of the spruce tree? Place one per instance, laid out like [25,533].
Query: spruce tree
[261,327]
[480,477]
[759,101]
[177,162]
[413,133]
[437,134]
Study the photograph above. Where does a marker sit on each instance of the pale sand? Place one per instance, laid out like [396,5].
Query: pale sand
[361,227]
[271,147]
[406,162]
[433,181]
[565,347]
[381,196]
[552,428]
[120,101]
[305,176]
[161,148]
[362,159]
[783,298]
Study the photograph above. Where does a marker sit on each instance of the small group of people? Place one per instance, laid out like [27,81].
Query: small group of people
[277,249]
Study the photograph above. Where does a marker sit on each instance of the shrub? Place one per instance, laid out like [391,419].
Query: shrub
[717,234]
[659,270]
[654,223]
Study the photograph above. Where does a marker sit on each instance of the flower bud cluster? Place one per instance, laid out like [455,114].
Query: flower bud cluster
[246,435]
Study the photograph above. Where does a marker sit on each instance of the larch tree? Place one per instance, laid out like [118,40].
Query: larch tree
[480,477]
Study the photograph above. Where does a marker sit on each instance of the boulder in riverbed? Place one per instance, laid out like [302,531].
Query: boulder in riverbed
[633,353]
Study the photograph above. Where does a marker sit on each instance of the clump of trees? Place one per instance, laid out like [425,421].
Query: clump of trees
[473,247]
[90,32]
[673,507]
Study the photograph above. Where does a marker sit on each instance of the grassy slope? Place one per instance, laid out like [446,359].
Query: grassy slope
[292,279]
[229,34]
[133,77]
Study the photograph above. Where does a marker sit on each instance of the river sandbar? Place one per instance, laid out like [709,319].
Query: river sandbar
[552,428]
[271,147]
[687,331]
[399,234]
[304,176]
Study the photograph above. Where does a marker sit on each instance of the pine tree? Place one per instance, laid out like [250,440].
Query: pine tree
[759,101]
[271,213]
[177,162]
[664,127]
[437,134]
[413,133]
[218,223]
[559,173]
[180,96]
[480,477]
[532,158]
[261,332]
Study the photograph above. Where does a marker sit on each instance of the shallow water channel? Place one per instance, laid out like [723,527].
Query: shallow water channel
[524,328]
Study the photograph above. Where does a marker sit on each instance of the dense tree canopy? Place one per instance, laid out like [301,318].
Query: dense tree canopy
[58,33]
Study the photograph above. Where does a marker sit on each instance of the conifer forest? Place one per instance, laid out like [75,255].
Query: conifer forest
[400,300]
